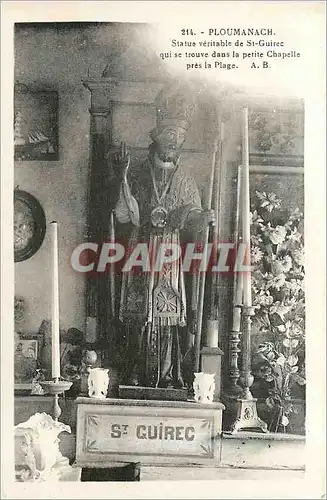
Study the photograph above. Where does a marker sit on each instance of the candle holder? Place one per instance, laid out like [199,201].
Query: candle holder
[234,373]
[247,415]
[234,389]
[56,387]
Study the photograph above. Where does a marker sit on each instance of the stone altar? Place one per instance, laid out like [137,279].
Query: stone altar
[149,432]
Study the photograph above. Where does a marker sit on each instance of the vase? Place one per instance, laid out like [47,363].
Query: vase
[98,381]
[41,445]
[204,387]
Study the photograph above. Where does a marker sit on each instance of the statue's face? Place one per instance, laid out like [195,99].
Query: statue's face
[169,144]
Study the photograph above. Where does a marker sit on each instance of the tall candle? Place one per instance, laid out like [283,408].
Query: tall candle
[247,295]
[237,303]
[55,304]
[238,278]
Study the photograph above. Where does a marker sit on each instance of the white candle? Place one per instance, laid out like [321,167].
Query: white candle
[238,302]
[55,304]
[238,278]
[247,295]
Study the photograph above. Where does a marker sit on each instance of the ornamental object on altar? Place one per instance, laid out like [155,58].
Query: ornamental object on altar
[37,454]
[98,382]
[204,387]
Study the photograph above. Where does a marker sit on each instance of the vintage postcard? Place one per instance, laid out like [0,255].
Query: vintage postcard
[163,278]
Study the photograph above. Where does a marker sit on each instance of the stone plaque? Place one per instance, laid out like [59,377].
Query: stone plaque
[147,432]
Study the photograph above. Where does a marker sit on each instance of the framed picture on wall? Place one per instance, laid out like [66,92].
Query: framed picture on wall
[276,136]
[26,356]
[36,125]
[29,225]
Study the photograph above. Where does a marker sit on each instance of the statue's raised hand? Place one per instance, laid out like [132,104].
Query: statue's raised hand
[121,161]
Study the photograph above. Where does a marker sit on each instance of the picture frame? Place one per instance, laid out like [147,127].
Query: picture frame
[35,125]
[276,137]
[25,362]
[29,225]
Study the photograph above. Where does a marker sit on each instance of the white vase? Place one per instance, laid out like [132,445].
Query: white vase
[98,381]
[41,447]
[204,387]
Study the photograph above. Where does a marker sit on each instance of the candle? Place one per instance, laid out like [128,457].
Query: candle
[247,295]
[238,303]
[238,278]
[55,304]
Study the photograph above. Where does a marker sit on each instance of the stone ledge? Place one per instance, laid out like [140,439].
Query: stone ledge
[260,450]
[272,436]
[190,404]
[156,473]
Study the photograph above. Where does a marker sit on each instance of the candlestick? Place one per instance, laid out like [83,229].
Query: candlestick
[234,336]
[234,372]
[55,304]
[56,387]
[247,416]
[247,295]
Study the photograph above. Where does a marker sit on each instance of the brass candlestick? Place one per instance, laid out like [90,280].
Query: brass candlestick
[56,387]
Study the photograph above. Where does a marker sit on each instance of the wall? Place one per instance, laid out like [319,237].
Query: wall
[60,187]
[49,57]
